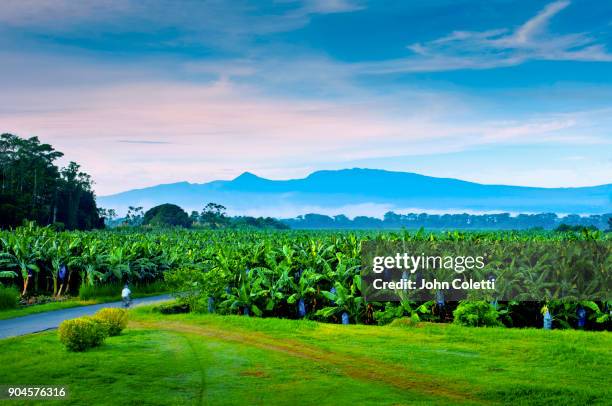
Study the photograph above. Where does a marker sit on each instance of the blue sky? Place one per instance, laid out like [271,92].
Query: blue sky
[142,93]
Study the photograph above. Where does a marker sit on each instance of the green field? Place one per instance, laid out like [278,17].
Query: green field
[207,359]
[297,287]
[301,274]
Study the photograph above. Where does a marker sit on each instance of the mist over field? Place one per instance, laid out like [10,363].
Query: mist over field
[364,192]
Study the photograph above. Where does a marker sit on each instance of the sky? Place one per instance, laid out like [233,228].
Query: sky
[158,91]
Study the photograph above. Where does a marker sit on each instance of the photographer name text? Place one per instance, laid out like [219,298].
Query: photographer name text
[407,284]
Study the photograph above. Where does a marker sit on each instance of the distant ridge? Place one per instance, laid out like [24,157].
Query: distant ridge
[364,192]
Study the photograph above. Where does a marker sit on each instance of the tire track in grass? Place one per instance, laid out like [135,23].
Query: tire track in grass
[361,368]
[200,367]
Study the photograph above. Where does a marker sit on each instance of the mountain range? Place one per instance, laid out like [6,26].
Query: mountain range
[363,192]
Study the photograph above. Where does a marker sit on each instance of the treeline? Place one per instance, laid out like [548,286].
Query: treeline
[213,216]
[501,221]
[33,188]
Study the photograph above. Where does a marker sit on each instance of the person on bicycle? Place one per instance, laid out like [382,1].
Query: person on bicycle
[126,295]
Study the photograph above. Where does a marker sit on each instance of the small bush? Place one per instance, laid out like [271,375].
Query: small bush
[115,320]
[476,314]
[173,308]
[82,333]
[9,297]
[405,322]
[40,299]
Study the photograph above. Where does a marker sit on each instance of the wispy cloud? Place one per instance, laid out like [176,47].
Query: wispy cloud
[537,24]
[145,142]
[499,47]
[332,6]
[212,128]
[214,23]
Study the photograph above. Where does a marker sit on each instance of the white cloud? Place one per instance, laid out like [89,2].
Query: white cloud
[331,6]
[208,22]
[499,47]
[537,24]
[61,14]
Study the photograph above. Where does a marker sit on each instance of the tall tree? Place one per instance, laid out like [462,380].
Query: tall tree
[32,187]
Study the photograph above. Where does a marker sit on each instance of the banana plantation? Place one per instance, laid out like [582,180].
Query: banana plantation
[284,274]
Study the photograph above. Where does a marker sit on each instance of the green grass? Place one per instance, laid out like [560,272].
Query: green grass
[41,308]
[9,297]
[227,360]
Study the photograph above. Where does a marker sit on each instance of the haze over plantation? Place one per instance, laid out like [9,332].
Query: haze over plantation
[369,192]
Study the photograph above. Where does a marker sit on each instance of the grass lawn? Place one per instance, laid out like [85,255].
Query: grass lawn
[65,304]
[228,360]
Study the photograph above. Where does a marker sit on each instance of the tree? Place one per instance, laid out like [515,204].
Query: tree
[134,216]
[194,217]
[33,188]
[167,215]
[392,218]
[341,220]
[107,214]
[213,215]
[257,222]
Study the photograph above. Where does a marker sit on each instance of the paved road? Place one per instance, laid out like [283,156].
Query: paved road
[50,320]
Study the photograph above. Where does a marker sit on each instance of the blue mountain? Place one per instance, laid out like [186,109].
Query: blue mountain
[362,191]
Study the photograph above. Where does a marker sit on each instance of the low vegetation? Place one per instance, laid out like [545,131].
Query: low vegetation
[225,360]
[9,297]
[288,274]
[114,319]
[83,333]
[476,314]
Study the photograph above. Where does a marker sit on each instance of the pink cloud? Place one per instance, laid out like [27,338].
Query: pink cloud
[209,131]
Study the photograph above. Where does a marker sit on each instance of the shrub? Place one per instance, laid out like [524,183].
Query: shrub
[9,297]
[405,322]
[82,333]
[114,319]
[173,308]
[476,314]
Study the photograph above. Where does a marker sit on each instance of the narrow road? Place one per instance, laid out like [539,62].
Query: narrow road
[50,320]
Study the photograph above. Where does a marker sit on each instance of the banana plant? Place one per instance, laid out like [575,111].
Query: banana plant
[278,283]
[90,263]
[605,314]
[58,254]
[7,274]
[347,302]
[23,253]
[247,297]
[119,264]
[7,262]
[405,308]
[304,290]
